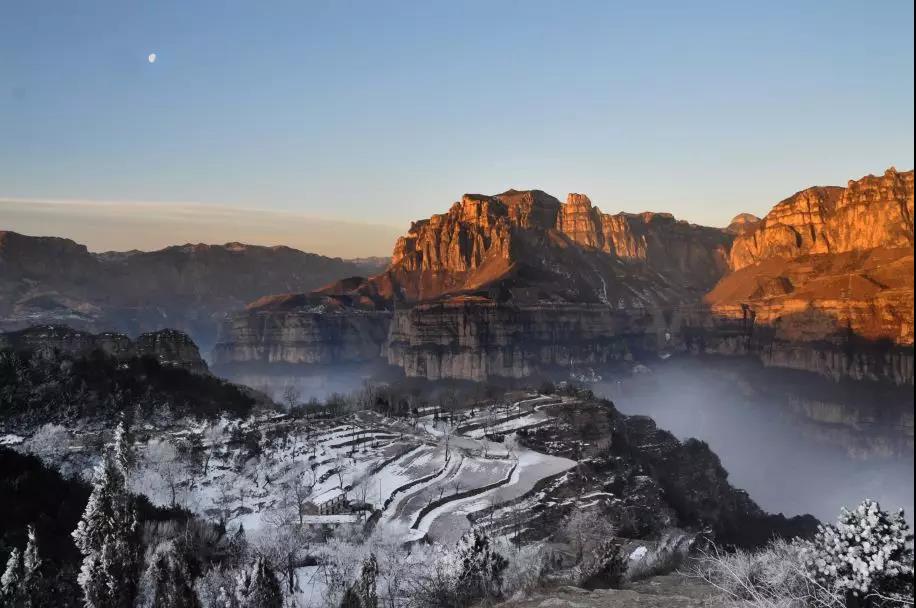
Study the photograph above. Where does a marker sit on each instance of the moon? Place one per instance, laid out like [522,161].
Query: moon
[151,58]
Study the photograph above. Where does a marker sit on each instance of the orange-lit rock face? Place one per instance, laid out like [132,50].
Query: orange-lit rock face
[504,285]
[829,261]
[870,212]
[530,237]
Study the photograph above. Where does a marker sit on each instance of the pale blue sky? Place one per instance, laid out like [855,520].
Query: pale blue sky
[384,112]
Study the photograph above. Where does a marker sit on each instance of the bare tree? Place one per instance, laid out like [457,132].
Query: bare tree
[291,396]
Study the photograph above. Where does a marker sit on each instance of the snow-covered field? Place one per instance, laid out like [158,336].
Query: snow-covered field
[399,480]
[413,479]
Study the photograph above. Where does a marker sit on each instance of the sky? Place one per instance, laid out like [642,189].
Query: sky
[296,121]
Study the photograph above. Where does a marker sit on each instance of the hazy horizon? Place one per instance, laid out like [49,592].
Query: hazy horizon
[147,225]
[380,115]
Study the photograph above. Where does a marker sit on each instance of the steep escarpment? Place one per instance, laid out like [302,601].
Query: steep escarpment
[572,251]
[872,212]
[825,283]
[518,283]
[498,285]
[48,280]
[169,347]
[310,330]
[476,338]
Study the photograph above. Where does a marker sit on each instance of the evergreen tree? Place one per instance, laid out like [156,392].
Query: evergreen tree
[481,566]
[11,581]
[108,538]
[362,594]
[31,561]
[31,571]
[168,575]
[367,593]
[123,448]
[259,587]
[20,583]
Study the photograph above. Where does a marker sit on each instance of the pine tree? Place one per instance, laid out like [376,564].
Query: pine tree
[11,581]
[362,594]
[259,587]
[31,561]
[367,592]
[31,569]
[170,579]
[108,537]
[123,448]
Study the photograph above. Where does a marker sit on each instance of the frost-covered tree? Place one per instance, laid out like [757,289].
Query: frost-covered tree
[866,555]
[49,443]
[481,567]
[259,587]
[20,582]
[168,581]
[31,561]
[362,594]
[124,455]
[108,537]
[11,581]
[367,582]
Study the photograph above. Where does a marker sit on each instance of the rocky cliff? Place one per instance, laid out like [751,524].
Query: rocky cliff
[824,283]
[518,283]
[572,251]
[872,212]
[475,338]
[47,280]
[311,330]
[170,347]
[499,285]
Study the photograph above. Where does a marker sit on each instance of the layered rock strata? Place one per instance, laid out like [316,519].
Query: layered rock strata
[517,283]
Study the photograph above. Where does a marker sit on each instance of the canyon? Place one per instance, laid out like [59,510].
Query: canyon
[520,284]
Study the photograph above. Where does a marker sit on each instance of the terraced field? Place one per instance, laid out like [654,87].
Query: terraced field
[420,478]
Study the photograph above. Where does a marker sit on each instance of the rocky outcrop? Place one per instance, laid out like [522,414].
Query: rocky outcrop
[499,285]
[824,283]
[529,240]
[873,212]
[519,283]
[668,591]
[170,347]
[476,339]
[743,223]
[47,280]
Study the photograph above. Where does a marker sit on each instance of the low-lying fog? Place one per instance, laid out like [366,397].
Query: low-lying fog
[786,461]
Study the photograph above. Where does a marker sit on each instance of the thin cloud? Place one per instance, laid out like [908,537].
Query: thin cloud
[114,225]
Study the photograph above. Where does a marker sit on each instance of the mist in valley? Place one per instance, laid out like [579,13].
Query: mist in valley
[792,455]
[772,447]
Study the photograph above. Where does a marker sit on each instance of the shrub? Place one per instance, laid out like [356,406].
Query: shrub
[864,561]
[482,567]
[456,579]
[867,555]
[604,567]
[773,577]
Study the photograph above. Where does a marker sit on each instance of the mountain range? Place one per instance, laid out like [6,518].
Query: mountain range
[50,280]
[517,283]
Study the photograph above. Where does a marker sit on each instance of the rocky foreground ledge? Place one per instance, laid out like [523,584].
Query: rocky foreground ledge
[668,591]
